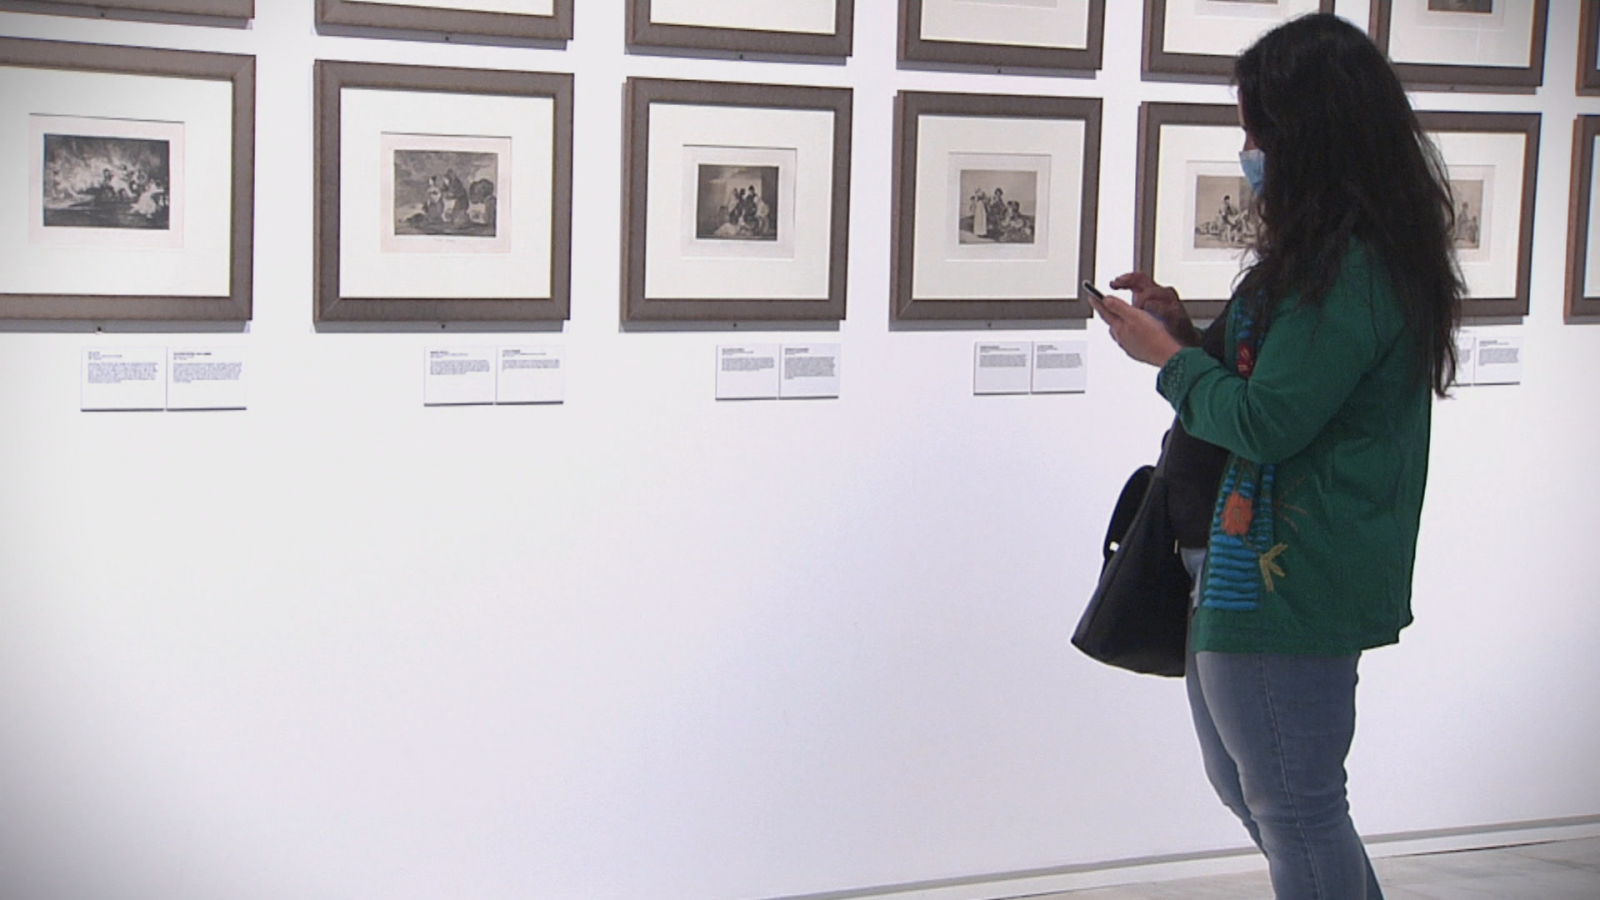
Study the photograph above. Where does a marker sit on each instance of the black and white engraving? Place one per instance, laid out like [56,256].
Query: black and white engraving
[106,182]
[736,203]
[998,206]
[1468,232]
[446,192]
[1224,214]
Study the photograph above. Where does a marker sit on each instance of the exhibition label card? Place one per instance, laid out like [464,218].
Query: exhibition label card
[205,379]
[457,376]
[1058,367]
[810,370]
[747,372]
[1499,360]
[127,378]
[1002,367]
[1466,357]
[531,375]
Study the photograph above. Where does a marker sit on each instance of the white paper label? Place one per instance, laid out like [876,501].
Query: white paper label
[205,379]
[1060,367]
[454,376]
[126,378]
[531,375]
[809,370]
[1002,367]
[1499,360]
[747,372]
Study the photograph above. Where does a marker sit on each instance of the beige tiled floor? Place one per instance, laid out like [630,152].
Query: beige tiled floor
[1562,870]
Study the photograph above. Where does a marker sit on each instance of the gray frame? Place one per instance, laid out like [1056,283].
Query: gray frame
[228,9]
[1588,45]
[642,93]
[1472,77]
[240,72]
[910,106]
[331,78]
[556,27]
[1157,63]
[1584,131]
[1146,203]
[1526,124]
[914,48]
[643,32]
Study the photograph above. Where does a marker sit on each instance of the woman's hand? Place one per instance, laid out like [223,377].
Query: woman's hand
[1162,302]
[1139,333]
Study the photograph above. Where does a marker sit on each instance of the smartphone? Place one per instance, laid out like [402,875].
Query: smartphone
[1093,291]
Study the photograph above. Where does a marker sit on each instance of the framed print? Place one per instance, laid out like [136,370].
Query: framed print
[1196,40]
[737,201]
[1588,45]
[778,27]
[1583,241]
[549,20]
[229,9]
[995,205]
[129,175]
[1195,208]
[442,194]
[1491,160]
[1474,43]
[1012,33]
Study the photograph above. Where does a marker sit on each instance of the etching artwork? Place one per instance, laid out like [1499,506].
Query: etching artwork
[998,206]
[1224,215]
[446,192]
[106,182]
[1468,232]
[736,203]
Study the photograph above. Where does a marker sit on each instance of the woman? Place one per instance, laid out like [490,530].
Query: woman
[1335,338]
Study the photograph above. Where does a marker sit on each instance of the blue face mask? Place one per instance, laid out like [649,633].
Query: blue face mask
[1254,164]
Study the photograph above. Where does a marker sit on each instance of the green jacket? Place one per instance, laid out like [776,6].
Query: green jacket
[1315,530]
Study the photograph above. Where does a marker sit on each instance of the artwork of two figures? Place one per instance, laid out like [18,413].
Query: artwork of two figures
[446,193]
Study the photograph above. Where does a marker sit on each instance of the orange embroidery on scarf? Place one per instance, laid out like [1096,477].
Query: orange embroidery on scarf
[1236,515]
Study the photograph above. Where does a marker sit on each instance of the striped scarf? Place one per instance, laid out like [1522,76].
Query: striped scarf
[1244,557]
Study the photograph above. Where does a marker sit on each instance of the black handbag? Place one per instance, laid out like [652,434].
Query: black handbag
[1138,617]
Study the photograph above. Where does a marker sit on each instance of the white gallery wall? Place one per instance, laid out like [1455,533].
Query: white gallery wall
[643,643]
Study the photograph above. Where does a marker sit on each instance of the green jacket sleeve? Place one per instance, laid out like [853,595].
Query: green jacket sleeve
[1307,365]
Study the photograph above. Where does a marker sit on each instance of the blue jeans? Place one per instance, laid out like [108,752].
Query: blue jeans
[1274,732]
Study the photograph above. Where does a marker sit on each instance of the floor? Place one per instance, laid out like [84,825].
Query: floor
[1561,870]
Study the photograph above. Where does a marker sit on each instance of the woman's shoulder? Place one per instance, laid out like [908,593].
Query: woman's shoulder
[1365,288]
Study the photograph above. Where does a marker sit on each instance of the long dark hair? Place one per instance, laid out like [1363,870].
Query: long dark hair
[1346,159]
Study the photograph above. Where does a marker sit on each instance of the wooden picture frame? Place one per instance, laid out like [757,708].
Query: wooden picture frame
[1497,152]
[222,9]
[728,28]
[1430,47]
[1182,45]
[1583,257]
[554,26]
[1589,50]
[1003,36]
[736,202]
[166,232]
[963,249]
[1192,202]
[406,129]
